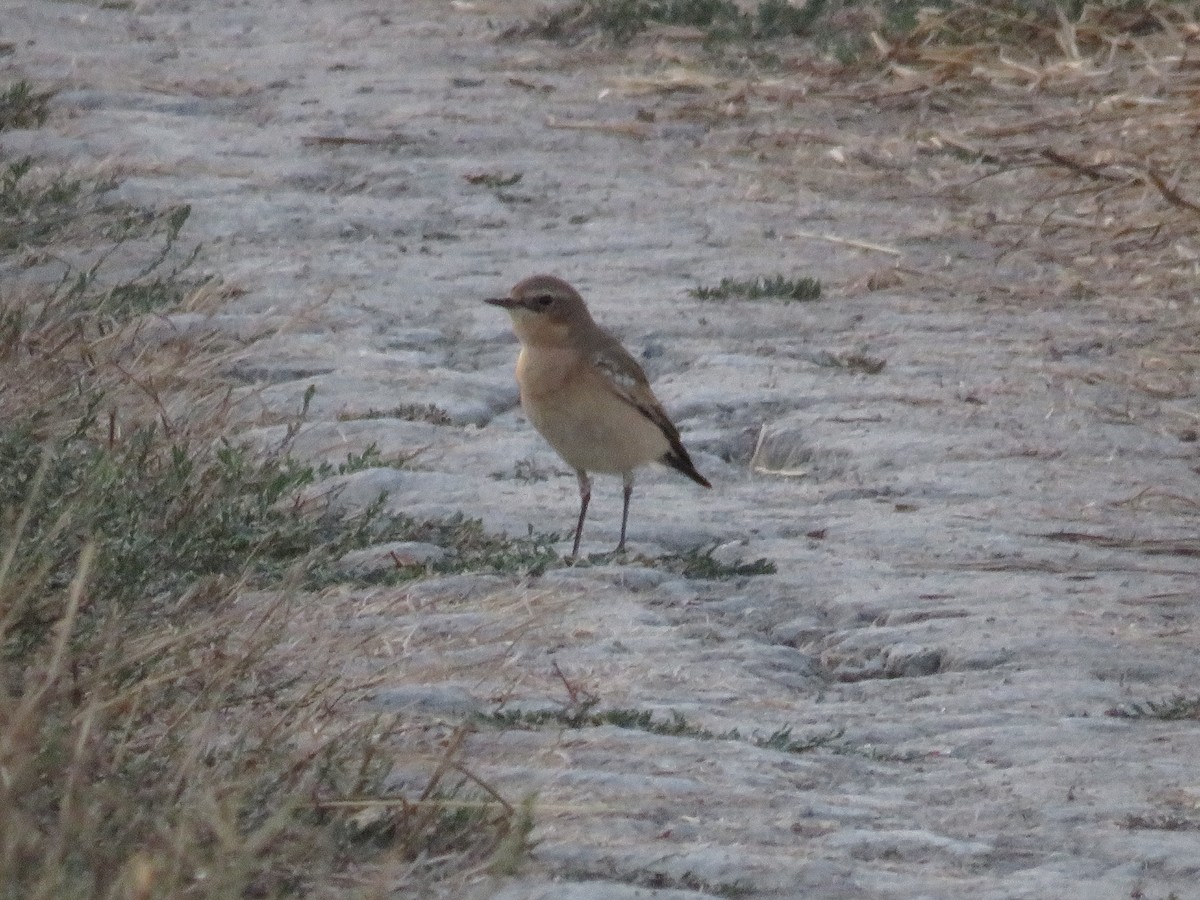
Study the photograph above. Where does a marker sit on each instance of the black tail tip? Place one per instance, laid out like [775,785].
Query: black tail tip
[684,465]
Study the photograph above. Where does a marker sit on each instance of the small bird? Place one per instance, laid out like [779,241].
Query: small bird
[586,395]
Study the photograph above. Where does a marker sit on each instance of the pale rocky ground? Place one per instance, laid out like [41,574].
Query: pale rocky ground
[987,545]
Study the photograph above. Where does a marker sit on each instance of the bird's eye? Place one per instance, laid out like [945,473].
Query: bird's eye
[544,301]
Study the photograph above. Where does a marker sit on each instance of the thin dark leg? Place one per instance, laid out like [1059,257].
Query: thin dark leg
[625,509]
[585,494]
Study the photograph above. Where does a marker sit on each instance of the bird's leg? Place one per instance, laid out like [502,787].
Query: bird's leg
[625,509]
[585,494]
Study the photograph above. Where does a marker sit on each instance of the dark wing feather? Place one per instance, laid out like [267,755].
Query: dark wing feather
[628,381]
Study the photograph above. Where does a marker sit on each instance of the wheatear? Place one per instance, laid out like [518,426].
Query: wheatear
[586,395]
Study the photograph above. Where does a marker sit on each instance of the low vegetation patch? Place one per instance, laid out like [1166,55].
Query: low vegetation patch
[847,28]
[494,179]
[409,412]
[1159,822]
[700,563]
[156,739]
[23,107]
[584,715]
[1169,709]
[622,20]
[773,286]
[580,710]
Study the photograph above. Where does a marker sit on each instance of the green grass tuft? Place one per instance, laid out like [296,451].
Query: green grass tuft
[494,179]
[699,563]
[1170,709]
[847,29]
[409,412]
[23,107]
[774,286]
[722,20]
[582,714]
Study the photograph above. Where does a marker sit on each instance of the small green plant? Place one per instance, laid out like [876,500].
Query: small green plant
[780,18]
[473,548]
[1134,821]
[1176,708]
[494,179]
[162,512]
[469,548]
[39,209]
[774,286]
[409,412]
[142,293]
[30,214]
[699,563]
[370,458]
[582,714]
[691,882]
[723,20]
[23,107]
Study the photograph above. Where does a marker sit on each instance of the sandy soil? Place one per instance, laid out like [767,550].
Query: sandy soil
[984,549]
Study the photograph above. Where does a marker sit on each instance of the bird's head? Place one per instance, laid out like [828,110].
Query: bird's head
[544,309]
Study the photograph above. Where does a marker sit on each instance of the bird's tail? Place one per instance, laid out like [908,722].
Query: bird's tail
[677,458]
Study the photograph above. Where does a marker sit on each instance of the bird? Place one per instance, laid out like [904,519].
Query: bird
[586,395]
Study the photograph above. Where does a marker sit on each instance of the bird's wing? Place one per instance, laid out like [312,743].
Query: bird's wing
[625,378]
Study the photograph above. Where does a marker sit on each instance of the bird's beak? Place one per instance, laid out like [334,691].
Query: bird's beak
[503,302]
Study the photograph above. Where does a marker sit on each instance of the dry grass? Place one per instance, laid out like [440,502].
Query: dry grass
[163,732]
[1062,135]
[1068,128]
[1088,126]
[1072,148]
